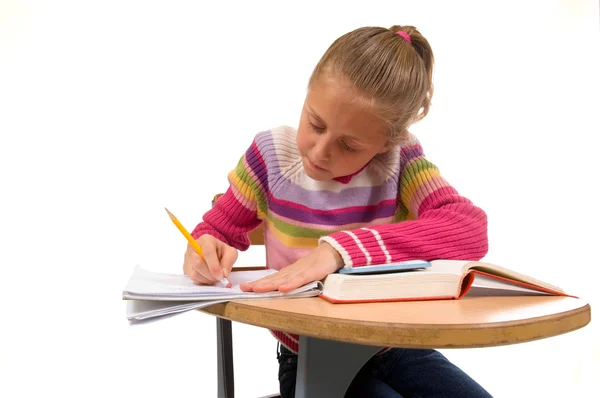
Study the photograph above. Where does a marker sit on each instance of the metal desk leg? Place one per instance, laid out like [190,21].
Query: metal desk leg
[224,359]
[326,368]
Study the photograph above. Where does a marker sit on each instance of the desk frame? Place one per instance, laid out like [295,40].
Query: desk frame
[317,380]
[356,341]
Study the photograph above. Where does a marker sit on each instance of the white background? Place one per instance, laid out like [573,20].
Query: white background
[110,110]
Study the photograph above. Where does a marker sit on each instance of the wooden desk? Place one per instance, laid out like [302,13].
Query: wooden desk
[359,330]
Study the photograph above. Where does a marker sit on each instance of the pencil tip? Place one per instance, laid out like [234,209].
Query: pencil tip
[169,213]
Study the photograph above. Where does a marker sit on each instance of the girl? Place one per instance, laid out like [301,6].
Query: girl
[350,187]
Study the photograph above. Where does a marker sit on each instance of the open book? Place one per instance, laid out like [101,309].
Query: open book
[445,279]
[151,295]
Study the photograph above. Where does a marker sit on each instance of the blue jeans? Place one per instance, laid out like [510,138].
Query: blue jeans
[397,373]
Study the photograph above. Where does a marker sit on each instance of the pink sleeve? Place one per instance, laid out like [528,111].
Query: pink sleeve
[242,208]
[229,221]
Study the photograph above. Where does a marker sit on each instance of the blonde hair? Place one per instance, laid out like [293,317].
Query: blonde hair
[390,73]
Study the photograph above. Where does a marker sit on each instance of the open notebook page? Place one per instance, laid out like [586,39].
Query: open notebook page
[149,285]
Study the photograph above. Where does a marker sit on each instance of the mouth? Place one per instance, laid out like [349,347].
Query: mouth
[315,166]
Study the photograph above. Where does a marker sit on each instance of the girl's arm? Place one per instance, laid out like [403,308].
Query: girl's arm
[441,224]
[239,210]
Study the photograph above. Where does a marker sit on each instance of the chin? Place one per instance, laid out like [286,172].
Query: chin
[315,175]
[318,178]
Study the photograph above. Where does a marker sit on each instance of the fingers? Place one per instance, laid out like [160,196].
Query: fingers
[229,258]
[284,281]
[217,262]
[211,257]
[260,286]
[200,279]
[196,269]
[266,284]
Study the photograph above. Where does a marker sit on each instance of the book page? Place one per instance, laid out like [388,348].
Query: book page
[453,267]
[510,274]
[487,286]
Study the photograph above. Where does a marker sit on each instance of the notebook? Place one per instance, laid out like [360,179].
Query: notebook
[152,295]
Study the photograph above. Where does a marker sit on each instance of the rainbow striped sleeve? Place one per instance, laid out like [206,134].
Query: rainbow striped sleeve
[243,206]
[435,222]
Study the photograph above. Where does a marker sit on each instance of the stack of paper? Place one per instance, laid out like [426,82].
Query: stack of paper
[152,296]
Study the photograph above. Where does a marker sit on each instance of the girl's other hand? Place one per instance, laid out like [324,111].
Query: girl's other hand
[316,265]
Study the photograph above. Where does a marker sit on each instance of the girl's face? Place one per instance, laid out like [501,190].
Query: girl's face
[337,136]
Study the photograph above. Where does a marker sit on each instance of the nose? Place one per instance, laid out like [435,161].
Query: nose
[322,149]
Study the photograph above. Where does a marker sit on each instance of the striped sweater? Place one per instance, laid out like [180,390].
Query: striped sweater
[396,208]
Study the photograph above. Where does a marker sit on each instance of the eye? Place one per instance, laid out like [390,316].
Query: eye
[347,148]
[316,128]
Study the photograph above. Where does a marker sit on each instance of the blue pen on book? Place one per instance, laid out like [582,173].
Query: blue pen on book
[387,268]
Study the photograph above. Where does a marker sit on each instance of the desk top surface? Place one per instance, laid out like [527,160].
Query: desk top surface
[468,322]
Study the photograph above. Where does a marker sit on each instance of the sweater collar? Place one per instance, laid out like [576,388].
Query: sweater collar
[348,178]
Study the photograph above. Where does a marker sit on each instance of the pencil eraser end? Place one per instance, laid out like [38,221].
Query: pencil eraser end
[226,282]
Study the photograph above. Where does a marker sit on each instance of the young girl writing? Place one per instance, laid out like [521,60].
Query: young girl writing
[349,187]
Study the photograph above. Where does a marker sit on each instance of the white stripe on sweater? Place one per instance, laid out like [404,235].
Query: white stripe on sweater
[360,246]
[388,258]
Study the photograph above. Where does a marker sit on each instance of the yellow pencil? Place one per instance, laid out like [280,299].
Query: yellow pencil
[192,241]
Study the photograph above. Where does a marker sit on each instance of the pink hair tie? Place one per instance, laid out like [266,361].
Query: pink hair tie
[405,35]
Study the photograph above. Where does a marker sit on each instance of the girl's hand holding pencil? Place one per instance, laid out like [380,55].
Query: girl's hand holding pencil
[207,260]
[218,260]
